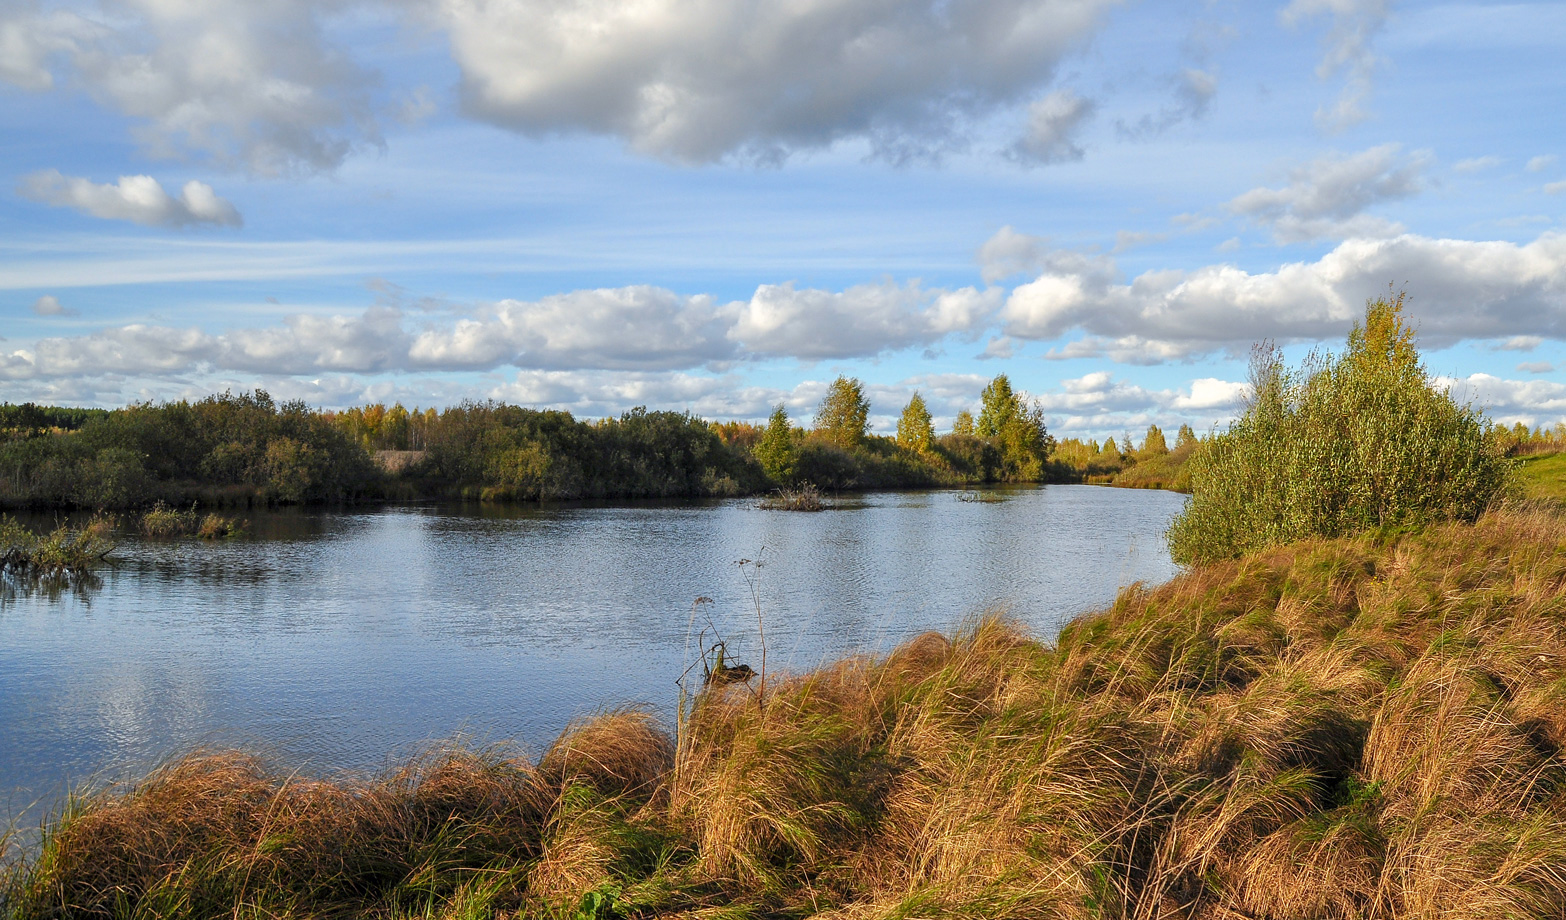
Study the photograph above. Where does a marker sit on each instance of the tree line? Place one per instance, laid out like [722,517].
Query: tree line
[247,449]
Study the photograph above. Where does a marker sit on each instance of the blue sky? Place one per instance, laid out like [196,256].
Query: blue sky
[719,206]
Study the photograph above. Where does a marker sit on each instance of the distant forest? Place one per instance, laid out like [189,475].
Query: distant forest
[247,449]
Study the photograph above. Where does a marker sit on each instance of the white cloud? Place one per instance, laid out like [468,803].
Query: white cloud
[1532,402]
[698,81]
[371,342]
[1127,349]
[1476,164]
[1542,162]
[250,84]
[1521,343]
[140,199]
[1348,51]
[1555,188]
[1052,125]
[1325,198]
[1536,367]
[781,320]
[1008,253]
[599,393]
[49,305]
[1461,290]
[30,38]
[641,327]
[134,349]
[1098,403]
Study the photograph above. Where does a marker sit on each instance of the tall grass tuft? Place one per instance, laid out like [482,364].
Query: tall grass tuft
[1341,444]
[163,521]
[805,498]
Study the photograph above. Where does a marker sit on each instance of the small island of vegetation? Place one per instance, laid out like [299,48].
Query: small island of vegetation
[1350,705]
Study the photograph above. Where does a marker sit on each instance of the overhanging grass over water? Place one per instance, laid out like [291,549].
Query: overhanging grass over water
[1369,726]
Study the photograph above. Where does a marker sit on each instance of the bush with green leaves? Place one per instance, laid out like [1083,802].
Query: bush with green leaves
[1344,443]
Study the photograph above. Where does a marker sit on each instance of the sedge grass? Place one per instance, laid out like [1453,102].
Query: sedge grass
[163,521]
[1361,727]
[804,498]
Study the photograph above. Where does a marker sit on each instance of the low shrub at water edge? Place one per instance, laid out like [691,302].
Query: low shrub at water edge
[163,521]
[63,551]
[1365,727]
[217,527]
[1361,440]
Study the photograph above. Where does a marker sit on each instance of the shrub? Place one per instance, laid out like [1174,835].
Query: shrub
[1341,444]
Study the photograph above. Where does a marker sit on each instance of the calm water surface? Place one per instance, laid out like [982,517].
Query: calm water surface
[345,641]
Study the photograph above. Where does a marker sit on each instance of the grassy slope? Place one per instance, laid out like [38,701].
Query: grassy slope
[1167,471]
[1544,477]
[1369,727]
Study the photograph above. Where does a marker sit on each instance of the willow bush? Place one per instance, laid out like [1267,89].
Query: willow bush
[1341,444]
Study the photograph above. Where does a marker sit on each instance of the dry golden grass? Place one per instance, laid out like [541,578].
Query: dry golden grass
[1359,728]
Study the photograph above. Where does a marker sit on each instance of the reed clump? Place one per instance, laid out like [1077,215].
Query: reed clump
[1362,727]
[804,498]
[163,521]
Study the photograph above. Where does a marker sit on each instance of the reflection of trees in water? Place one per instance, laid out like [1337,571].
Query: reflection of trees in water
[16,585]
[214,572]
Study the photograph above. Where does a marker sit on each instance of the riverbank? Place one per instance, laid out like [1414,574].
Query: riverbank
[1369,726]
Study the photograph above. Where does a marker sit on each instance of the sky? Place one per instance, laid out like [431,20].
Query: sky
[722,205]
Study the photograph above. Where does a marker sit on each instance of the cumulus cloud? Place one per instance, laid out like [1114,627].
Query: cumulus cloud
[638,328]
[1347,51]
[49,305]
[134,349]
[780,320]
[30,38]
[249,84]
[371,342]
[1541,163]
[696,82]
[1536,367]
[600,393]
[1532,402]
[140,199]
[1555,188]
[1325,198]
[1052,126]
[1099,403]
[1463,290]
